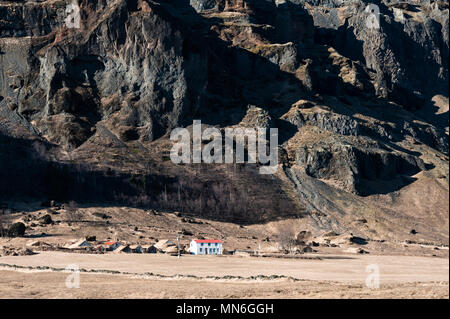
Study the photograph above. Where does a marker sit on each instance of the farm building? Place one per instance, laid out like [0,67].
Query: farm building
[38,243]
[171,250]
[206,247]
[111,245]
[149,249]
[81,244]
[164,244]
[137,249]
[123,249]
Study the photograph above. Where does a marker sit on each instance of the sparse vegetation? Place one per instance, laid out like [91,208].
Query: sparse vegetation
[2,226]
[4,222]
[73,215]
[286,238]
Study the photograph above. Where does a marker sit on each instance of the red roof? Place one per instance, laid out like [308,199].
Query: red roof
[208,241]
[109,243]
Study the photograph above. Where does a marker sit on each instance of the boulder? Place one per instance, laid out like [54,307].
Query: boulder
[101,215]
[187,232]
[16,230]
[46,220]
[308,249]
[358,240]
[91,238]
[303,237]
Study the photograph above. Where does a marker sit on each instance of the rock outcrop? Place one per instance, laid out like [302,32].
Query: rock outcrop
[358,91]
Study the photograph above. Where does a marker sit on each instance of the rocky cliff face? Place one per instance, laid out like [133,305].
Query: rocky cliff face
[361,105]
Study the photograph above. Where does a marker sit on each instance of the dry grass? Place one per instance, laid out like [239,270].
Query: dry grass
[401,277]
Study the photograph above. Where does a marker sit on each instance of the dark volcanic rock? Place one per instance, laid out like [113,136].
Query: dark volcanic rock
[91,238]
[351,165]
[336,123]
[79,76]
[85,113]
[46,220]
[420,26]
[16,230]
[137,67]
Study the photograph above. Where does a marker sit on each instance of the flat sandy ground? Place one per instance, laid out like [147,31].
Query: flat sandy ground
[331,277]
[52,285]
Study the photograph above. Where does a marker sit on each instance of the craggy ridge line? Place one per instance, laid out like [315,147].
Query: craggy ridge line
[149,275]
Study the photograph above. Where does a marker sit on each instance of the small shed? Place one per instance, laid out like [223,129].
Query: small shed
[111,245]
[38,243]
[163,244]
[171,250]
[123,249]
[79,244]
[149,249]
[137,249]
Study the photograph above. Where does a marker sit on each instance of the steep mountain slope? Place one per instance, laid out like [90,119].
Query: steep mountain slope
[362,112]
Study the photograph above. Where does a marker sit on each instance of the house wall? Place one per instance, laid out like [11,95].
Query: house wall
[200,248]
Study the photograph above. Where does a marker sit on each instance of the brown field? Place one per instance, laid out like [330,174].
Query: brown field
[417,268]
[333,276]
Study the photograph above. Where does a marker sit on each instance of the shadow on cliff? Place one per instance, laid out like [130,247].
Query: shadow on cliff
[209,193]
[235,78]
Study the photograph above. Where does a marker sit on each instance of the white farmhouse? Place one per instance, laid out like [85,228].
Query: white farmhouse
[205,247]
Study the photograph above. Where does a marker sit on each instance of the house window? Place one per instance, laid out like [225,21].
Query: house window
[209,244]
[201,249]
[217,244]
